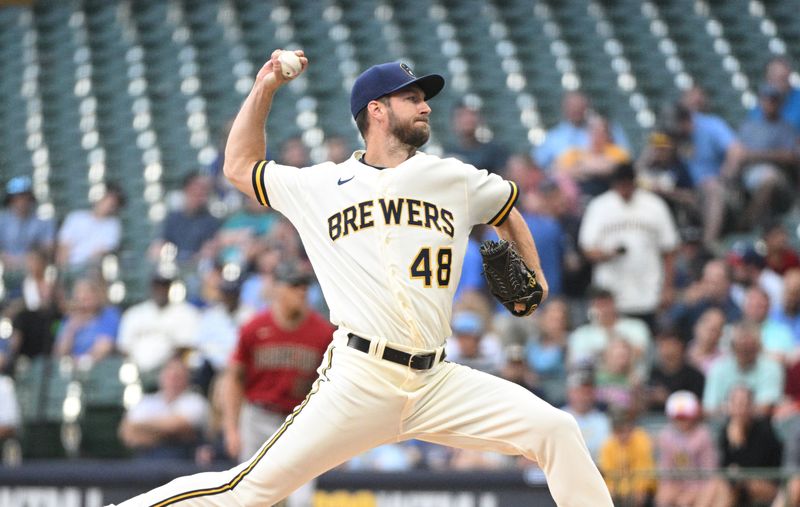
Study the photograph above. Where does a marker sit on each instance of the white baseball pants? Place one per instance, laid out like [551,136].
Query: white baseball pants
[360,401]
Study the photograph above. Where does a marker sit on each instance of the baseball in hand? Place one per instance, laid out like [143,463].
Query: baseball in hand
[290,64]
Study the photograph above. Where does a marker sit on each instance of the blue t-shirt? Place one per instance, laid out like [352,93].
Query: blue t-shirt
[472,271]
[550,242]
[106,323]
[19,235]
[790,111]
[711,138]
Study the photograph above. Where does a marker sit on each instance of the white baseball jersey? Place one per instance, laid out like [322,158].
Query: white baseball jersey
[387,246]
[377,281]
[644,226]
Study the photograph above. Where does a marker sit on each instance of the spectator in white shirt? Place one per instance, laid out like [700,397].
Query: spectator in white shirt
[168,423]
[152,331]
[629,234]
[87,235]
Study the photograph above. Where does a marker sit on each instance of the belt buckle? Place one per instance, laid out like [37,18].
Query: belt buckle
[428,358]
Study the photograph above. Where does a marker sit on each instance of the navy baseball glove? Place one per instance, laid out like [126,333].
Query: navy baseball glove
[509,278]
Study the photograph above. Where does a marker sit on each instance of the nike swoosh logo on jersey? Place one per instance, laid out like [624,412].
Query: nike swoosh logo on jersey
[342,182]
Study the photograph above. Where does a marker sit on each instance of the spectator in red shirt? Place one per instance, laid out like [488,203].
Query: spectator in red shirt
[273,365]
[781,257]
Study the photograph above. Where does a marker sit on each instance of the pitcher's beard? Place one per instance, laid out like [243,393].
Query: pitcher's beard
[411,134]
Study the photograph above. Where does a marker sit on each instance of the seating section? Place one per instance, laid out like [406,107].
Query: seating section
[140,92]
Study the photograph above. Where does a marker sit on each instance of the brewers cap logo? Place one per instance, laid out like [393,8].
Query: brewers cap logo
[407,69]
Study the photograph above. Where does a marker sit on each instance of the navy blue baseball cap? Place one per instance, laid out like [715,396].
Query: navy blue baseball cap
[386,78]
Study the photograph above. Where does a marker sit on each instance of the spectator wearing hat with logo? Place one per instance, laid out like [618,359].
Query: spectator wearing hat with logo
[685,445]
[660,170]
[21,229]
[628,233]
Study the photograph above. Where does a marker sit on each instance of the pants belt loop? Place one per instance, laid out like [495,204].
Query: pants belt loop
[377,346]
[439,354]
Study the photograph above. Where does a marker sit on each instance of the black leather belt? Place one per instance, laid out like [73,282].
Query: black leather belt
[415,361]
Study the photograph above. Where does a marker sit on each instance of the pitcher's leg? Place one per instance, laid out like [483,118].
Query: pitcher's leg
[471,409]
[338,420]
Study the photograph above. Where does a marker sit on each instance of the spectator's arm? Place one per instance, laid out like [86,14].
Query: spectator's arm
[770,390]
[103,346]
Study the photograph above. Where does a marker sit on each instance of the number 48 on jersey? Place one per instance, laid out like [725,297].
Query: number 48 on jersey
[421,266]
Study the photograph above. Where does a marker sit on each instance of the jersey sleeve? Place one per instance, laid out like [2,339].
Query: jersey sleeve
[277,186]
[490,197]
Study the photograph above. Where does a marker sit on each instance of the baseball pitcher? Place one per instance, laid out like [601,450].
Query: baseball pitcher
[386,232]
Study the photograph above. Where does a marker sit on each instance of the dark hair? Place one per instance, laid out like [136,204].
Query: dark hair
[362,118]
[189,178]
[114,188]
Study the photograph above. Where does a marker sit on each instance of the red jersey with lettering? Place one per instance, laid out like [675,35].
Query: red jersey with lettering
[280,365]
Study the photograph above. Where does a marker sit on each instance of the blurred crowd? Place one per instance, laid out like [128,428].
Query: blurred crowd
[672,332]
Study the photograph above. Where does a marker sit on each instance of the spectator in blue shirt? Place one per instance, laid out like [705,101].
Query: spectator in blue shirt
[769,152]
[550,236]
[572,131]
[711,151]
[789,311]
[778,72]
[21,230]
[191,229]
[90,328]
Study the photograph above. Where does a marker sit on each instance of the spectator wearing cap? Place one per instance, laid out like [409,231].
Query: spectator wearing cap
[630,236]
[671,372]
[91,325]
[572,131]
[660,170]
[749,269]
[777,74]
[776,337]
[710,149]
[589,341]
[590,167]
[20,229]
[768,155]
[747,440]
[745,365]
[685,445]
[690,258]
[626,460]
[273,366]
[471,144]
[154,330]
[595,425]
[218,331]
[166,424]
[87,235]
[472,346]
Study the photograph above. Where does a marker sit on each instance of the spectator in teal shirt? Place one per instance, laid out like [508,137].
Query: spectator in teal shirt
[746,365]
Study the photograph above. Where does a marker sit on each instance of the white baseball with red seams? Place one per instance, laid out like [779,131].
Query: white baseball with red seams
[290,64]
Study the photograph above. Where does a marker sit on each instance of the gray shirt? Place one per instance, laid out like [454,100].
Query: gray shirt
[767,135]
